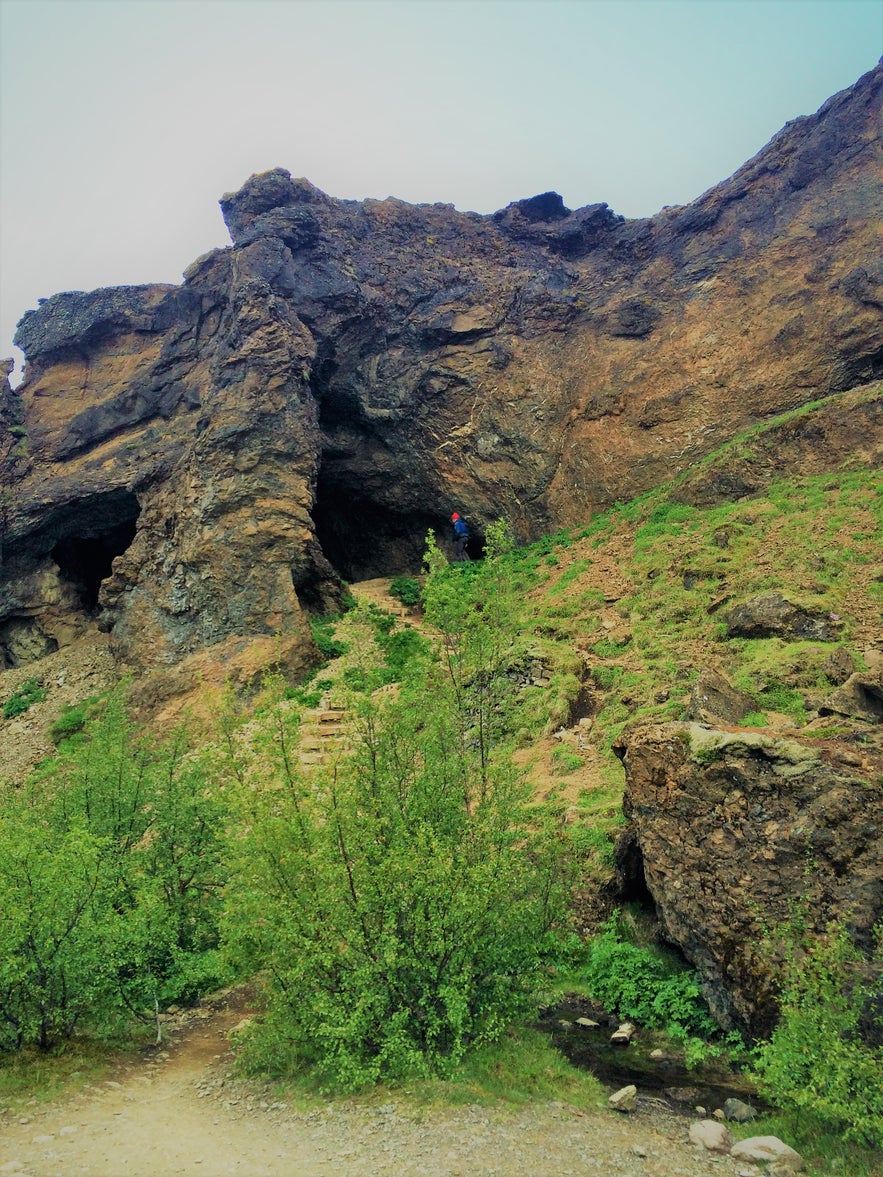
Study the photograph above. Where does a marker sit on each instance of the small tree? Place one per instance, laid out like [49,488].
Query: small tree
[815,1061]
[402,903]
[54,922]
[111,875]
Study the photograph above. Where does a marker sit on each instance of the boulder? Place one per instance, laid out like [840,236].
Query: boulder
[624,1100]
[768,1149]
[838,666]
[711,1135]
[772,615]
[738,1111]
[714,699]
[860,697]
[622,1036]
[721,825]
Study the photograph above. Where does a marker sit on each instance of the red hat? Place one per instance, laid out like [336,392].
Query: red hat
[454,517]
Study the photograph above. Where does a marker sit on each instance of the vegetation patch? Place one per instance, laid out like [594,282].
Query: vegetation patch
[405,589]
[816,1064]
[30,692]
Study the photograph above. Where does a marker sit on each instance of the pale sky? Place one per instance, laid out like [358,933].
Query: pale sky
[122,122]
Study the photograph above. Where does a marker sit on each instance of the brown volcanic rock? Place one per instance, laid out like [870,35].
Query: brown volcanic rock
[729,826]
[202,461]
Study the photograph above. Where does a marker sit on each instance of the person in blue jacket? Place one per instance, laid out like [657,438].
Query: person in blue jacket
[461,537]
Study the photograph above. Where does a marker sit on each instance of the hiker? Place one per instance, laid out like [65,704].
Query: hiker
[461,537]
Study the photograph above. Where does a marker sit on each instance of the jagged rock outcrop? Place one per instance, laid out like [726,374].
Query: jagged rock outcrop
[198,464]
[772,615]
[728,830]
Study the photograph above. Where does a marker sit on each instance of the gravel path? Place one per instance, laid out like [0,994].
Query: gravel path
[179,1111]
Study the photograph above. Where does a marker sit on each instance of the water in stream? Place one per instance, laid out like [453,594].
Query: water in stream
[615,1066]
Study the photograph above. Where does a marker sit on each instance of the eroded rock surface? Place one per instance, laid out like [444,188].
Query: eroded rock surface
[192,465]
[729,827]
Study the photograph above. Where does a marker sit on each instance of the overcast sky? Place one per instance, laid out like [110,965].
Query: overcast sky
[122,122]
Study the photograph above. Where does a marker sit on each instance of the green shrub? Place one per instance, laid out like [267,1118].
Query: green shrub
[72,720]
[815,1062]
[400,650]
[654,990]
[360,680]
[405,589]
[322,629]
[110,869]
[403,907]
[29,693]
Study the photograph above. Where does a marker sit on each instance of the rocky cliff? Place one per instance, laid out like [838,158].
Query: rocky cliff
[196,466]
[735,833]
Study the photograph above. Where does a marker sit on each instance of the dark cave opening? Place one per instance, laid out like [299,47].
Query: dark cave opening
[96,534]
[631,882]
[363,539]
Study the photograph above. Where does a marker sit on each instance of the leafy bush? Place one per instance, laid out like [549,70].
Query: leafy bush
[633,982]
[400,649]
[72,720]
[110,869]
[54,922]
[405,589]
[29,693]
[322,629]
[815,1062]
[401,908]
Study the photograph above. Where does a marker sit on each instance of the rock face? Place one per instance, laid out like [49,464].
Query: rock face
[731,826]
[714,699]
[193,465]
[771,615]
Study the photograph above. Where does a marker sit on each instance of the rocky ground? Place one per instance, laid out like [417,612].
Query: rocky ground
[69,676]
[178,1109]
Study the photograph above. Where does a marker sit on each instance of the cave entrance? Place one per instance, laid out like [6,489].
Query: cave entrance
[363,539]
[96,531]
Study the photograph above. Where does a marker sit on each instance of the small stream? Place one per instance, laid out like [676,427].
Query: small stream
[616,1066]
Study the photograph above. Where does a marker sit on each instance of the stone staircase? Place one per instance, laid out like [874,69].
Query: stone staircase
[323,735]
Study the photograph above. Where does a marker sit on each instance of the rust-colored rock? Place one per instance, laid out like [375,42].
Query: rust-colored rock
[194,464]
[731,826]
[714,699]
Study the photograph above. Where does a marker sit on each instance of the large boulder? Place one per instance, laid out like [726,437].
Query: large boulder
[726,827]
[860,697]
[772,615]
[714,699]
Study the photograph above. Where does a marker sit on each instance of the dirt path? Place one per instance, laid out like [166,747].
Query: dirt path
[178,1110]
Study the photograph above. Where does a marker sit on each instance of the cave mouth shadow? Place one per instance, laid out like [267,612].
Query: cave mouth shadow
[363,540]
[94,533]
